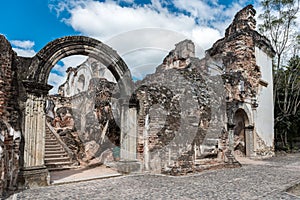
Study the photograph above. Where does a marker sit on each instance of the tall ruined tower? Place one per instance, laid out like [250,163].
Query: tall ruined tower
[246,61]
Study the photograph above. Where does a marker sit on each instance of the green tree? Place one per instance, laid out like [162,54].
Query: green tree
[279,26]
[288,101]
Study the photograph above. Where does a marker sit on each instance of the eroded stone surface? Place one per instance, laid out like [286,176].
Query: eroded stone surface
[267,180]
[191,112]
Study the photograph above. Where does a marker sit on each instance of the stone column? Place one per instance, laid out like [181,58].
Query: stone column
[128,160]
[146,147]
[231,137]
[249,141]
[128,134]
[254,105]
[33,171]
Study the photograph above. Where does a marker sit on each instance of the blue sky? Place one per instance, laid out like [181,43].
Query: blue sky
[31,20]
[29,25]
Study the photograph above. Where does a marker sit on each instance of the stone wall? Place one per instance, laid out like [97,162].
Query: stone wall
[188,106]
[95,113]
[6,58]
[78,77]
[180,115]
[236,56]
[185,111]
[236,53]
[10,134]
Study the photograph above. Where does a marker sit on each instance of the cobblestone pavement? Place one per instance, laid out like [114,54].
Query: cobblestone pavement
[267,180]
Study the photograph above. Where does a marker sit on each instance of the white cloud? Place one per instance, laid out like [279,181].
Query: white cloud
[149,59]
[104,20]
[24,52]
[133,30]
[205,36]
[55,80]
[25,44]
[200,9]
[23,47]
[155,26]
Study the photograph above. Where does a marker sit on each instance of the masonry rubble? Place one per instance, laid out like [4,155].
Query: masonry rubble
[10,125]
[95,124]
[192,114]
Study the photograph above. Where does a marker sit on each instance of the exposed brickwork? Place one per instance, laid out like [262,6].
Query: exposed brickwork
[6,57]
[9,120]
[178,98]
[236,52]
[235,55]
[183,123]
[91,111]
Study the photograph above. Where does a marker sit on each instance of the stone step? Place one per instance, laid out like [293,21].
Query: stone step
[50,140]
[56,155]
[48,150]
[59,164]
[66,167]
[57,160]
[54,152]
[55,166]
[52,145]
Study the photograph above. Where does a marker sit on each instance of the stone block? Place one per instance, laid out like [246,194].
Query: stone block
[128,167]
[33,177]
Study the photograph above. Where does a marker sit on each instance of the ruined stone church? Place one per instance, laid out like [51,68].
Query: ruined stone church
[190,115]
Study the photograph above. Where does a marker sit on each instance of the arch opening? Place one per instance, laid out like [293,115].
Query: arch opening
[60,48]
[241,136]
[100,130]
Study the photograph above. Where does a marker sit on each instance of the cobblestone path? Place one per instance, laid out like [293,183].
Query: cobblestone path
[267,180]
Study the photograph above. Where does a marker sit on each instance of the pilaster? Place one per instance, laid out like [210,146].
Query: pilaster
[129,130]
[33,173]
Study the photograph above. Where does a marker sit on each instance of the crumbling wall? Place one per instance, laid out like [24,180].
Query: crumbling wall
[262,150]
[78,77]
[235,54]
[175,115]
[224,81]
[10,134]
[96,117]
[6,58]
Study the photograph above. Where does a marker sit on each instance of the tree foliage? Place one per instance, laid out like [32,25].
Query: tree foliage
[287,104]
[279,25]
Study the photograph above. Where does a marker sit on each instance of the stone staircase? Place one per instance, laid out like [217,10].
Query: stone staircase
[57,156]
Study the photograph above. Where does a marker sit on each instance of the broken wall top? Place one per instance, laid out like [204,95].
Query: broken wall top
[244,23]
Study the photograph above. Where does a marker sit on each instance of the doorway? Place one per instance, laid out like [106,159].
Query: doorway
[241,135]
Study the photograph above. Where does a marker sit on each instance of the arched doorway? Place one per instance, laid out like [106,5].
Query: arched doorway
[35,83]
[242,144]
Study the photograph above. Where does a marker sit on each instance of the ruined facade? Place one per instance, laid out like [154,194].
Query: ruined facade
[191,114]
[10,130]
[96,126]
[245,58]
[24,91]
[78,78]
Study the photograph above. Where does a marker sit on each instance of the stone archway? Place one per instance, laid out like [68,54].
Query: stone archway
[60,48]
[35,83]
